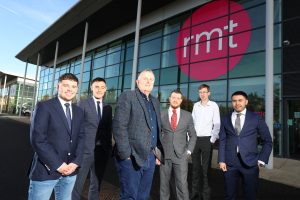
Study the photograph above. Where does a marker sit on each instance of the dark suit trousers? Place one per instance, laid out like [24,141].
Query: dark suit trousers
[101,159]
[249,177]
[87,166]
[201,158]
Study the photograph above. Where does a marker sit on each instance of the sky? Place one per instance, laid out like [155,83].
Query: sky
[21,21]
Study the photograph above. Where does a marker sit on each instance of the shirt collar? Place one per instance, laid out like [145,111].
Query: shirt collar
[62,102]
[243,112]
[208,103]
[144,96]
[171,109]
[95,100]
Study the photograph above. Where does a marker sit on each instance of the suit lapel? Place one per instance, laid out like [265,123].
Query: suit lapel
[246,122]
[166,121]
[61,113]
[230,123]
[141,100]
[93,108]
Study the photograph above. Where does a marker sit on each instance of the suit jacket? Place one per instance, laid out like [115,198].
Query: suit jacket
[52,141]
[177,140]
[92,124]
[104,135]
[132,126]
[254,126]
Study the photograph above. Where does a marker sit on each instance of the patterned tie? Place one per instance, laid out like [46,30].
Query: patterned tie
[174,120]
[237,125]
[68,113]
[99,110]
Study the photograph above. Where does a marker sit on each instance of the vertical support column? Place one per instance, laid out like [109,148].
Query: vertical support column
[35,83]
[22,99]
[82,60]
[136,44]
[269,101]
[54,69]
[3,90]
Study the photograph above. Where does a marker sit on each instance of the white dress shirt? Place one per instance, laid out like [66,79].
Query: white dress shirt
[100,104]
[207,120]
[62,102]
[242,117]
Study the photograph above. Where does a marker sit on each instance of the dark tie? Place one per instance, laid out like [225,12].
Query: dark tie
[99,110]
[174,120]
[237,125]
[68,114]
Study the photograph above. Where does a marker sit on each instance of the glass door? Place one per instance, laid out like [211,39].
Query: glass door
[293,128]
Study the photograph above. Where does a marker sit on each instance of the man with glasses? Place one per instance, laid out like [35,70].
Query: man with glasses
[206,118]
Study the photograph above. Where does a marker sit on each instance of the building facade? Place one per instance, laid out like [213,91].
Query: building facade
[221,43]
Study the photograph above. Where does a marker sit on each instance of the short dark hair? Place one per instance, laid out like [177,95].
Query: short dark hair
[98,79]
[177,91]
[68,76]
[240,93]
[204,86]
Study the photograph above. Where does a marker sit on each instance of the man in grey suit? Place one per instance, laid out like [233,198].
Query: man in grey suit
[136,130]
[176,125]
[96,114]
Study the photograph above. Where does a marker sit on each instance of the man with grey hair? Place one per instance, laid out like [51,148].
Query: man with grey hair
[137,132]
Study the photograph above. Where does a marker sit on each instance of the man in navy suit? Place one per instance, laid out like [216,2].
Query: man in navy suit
[136,129]
[97,118]
[57,139]
[238,152]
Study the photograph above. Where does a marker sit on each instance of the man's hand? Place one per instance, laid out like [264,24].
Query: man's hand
[71,168]
[223,166]
[63,169]
[157,162]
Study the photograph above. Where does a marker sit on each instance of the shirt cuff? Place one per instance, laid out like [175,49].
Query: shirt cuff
[212,139]
[261,162]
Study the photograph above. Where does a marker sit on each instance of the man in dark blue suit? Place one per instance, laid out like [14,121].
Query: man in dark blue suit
[97,126]
[238,150]
[137,131]
[57,139]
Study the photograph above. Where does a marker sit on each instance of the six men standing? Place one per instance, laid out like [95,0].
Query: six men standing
[143,138]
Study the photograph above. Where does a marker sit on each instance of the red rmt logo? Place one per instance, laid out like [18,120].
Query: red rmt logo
[215,35]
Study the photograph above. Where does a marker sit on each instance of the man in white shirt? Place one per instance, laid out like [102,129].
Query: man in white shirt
[206,118]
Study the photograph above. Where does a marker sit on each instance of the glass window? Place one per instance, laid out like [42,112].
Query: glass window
[150,47]
[165,92]
[156,76]
[169,59]
[100,52]
[86,76]
[151,33]
[152,62]
[113,58]
[112,83]
[77,69]
[87,66]
[112,71]
[111,96]
[249,65]
[169,41]
[116,46]
[99,62]
[169,76]
[246,4]
[258,40]
[252,86]
[217,90]
[128,67]
[127,81]
[85,87]
[129,53]
[98,73]
[174,24]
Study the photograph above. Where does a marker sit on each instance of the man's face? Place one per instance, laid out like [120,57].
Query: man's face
[99,89]
[175,100]
[204,94]
[67,89]
[239,103]
[145,82]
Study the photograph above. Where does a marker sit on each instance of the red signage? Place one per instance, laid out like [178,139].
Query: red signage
[209,36]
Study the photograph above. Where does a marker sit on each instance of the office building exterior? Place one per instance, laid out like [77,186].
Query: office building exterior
[221,43]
